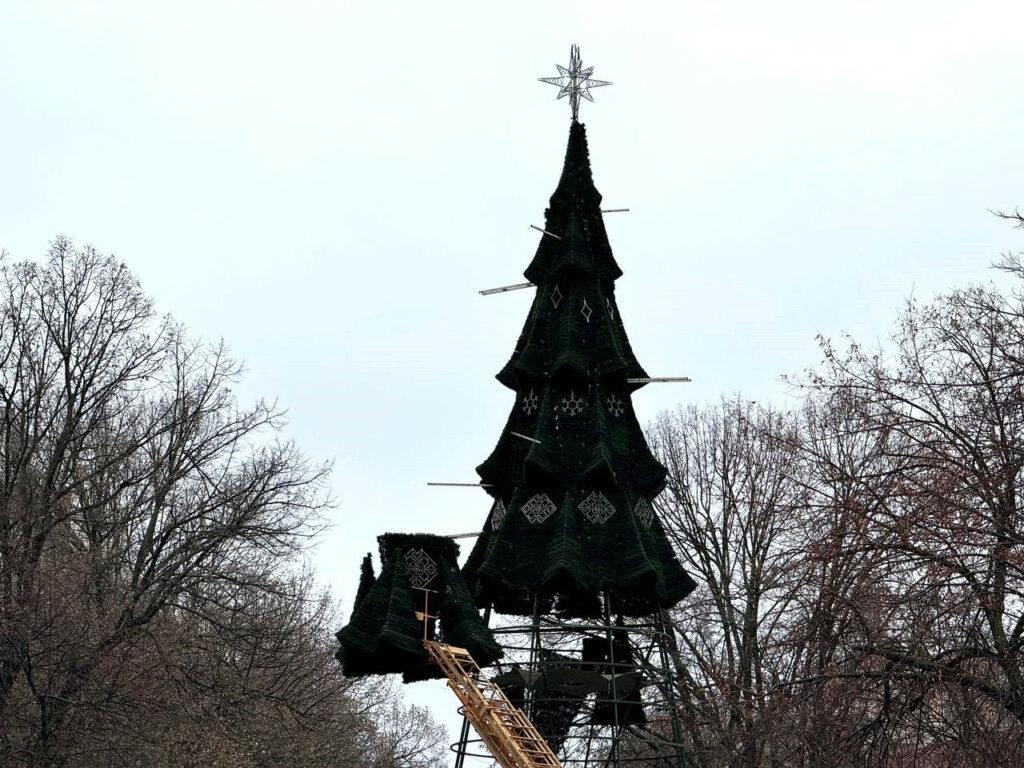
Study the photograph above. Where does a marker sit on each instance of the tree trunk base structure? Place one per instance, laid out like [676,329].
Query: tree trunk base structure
[599,692]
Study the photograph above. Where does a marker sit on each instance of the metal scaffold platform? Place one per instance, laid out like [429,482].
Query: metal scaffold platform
[601,692]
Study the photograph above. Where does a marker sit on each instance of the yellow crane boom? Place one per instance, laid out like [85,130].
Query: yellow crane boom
[506,732]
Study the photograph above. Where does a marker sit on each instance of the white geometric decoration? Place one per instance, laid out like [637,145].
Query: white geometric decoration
[644,512]
[572,405]
[497,514]
[539,508]
[597,508]
[615,407]
[574,81]
[422,569]
[586,311]
[611,309]
[556,296]
[530,403]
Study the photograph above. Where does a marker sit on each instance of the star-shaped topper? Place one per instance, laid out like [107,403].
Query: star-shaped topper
[574,81]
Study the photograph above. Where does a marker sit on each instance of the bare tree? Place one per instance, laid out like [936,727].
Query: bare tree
[146,526]
[730,506]
[860,559]
[846,707]
[950,402]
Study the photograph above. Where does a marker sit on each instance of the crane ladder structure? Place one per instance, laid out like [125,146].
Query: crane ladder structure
[506,732]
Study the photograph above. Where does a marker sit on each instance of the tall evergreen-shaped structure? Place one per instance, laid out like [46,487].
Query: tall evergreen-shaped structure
[572,477]
[572,540]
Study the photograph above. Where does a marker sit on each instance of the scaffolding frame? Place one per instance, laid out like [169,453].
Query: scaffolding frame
[544,644]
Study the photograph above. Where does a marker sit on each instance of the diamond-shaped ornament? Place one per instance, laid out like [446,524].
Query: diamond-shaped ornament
[596,508]
[644,512]
[421,568]
[556,297]
[539,508]
[586,311]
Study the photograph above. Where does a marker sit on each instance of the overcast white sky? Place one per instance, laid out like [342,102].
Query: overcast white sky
[327,185]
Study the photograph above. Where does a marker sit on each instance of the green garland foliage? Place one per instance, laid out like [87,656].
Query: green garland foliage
[383,634]
[366,581]
[572,515]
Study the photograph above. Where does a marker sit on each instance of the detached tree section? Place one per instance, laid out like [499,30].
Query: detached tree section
[572,477]
[419,573]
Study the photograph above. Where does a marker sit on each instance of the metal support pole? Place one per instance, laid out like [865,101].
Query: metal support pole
[529,693]
[613,754]
[463,748]
[460,754]
[664,639]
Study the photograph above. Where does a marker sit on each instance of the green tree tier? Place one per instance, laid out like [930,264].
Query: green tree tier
[384,635]
[572,516]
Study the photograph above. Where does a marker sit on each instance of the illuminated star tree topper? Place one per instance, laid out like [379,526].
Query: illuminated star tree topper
[574,81]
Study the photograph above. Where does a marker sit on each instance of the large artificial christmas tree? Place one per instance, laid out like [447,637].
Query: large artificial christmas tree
[572,477]
[572,539]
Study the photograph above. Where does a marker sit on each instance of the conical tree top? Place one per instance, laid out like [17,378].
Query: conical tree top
[574,327]
[574,217]
[572,476]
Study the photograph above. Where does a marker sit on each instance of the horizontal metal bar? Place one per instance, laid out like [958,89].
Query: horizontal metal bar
[658,379]
[462,535]
[614,210]
[462,485]
[525,437]
[505,288]
[534,226]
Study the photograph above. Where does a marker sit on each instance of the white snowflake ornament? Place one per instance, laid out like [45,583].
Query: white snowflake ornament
[530,402]
[572,404]
[615,405]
